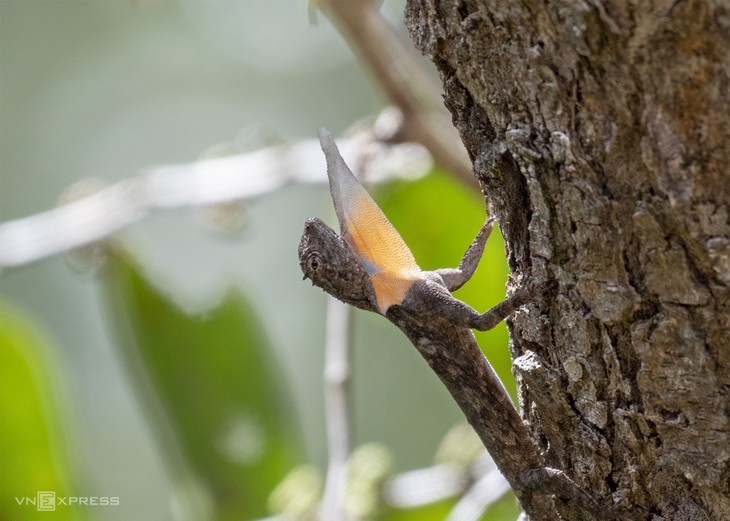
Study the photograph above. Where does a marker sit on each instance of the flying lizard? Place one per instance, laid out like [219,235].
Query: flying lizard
[369,266]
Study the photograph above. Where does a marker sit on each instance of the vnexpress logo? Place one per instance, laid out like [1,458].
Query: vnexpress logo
[46,501]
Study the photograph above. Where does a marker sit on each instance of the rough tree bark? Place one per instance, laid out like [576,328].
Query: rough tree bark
[600,132]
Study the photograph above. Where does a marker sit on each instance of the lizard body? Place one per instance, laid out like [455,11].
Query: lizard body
[394,274]
[369,266]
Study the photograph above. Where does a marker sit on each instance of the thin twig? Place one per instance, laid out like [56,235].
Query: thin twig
[486,491]
[337,407]
[417,488]
[426,486]
[406,85]
[208,182]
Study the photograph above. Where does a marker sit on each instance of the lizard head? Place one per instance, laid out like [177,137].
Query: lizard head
[331,264]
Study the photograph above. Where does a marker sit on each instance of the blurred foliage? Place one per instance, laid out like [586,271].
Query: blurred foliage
[216,401]
[506,509]
[226,405]
[436,511]
[33,449]
[212,393]
[218,405]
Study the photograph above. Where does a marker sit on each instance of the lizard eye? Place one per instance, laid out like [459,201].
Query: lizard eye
[314,262]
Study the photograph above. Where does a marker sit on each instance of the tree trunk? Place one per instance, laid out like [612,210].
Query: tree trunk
[600,132]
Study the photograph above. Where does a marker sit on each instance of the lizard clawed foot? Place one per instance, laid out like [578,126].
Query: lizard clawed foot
[528,293]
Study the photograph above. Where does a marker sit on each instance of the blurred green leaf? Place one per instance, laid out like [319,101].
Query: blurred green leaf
[33,449]
[433,512]
[438,218]
[506,509]
[212,375]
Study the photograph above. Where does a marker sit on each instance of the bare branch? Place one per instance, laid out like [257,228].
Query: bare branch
[486,491]
[396,69]
[337,407]
[207,182]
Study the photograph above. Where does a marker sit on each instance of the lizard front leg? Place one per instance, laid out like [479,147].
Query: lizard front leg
[461,314]
[454,278]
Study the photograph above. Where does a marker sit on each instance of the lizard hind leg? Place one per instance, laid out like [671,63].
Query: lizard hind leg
[429,297]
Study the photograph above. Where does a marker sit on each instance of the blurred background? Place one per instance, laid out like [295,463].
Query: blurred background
[177,372]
